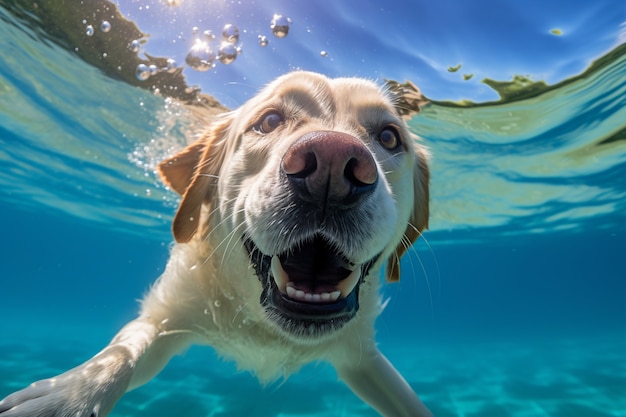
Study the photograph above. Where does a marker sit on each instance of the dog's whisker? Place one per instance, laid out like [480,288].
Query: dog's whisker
[219,245]
[412,249]
[233,234]
[436,261]
[222,221]
[217,177]
[238,310]
[432,252]
[390,157]
[210,234]
[414,274]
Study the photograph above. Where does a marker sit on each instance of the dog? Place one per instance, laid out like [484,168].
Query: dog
[291,207]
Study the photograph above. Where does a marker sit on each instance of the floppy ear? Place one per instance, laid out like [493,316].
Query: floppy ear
[193,173]
[418,220]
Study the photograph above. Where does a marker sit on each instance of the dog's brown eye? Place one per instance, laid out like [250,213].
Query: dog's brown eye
[269,122]
[389,138]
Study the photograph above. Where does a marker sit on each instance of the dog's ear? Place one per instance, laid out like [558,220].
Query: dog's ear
[407,98]
[418,220]
[193,173]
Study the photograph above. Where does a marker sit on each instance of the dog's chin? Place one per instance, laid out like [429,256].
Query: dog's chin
[311,289]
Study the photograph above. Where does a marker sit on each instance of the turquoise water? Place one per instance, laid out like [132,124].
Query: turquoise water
[513,305]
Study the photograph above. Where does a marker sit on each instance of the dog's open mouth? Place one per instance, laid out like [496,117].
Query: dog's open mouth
[314,273]
[313,282]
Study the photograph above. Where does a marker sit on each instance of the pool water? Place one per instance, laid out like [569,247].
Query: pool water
[514,303]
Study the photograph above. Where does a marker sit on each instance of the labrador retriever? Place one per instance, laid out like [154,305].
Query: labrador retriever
[291,206]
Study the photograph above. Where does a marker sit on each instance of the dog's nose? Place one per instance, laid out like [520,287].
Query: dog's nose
[326,167]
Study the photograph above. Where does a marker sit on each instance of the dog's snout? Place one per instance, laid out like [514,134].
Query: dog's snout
[331,168]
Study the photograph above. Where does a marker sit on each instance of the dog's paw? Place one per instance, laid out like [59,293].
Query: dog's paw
[90,390]
[52,397]
[47,398]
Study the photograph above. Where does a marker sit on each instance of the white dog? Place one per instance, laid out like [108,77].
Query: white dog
[290,207]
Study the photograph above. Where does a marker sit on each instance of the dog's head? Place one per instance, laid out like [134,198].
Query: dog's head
[320,181]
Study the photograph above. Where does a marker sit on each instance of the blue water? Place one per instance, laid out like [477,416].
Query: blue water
[514,304]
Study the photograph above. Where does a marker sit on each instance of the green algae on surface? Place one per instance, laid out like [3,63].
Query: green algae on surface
[522,88]
[519,86]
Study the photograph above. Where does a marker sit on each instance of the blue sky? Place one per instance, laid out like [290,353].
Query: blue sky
[394,39]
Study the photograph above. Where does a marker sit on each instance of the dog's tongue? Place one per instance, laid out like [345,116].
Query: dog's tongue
[301,285]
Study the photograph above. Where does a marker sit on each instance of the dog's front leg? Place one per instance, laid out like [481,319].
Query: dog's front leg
[377,382]
[137,353]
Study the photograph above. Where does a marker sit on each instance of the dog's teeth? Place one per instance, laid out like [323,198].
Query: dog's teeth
[296,294]
[280,276]
[347,285]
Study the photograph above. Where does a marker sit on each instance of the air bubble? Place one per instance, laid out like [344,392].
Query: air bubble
[217,303]
[263,40]
[105,26]
[230,34]
[209,35]
[280,25]
[171,65]
[154,70]
[200,57]
[324,54]
[143,72]
[228,53]
[89,30]
[135,46]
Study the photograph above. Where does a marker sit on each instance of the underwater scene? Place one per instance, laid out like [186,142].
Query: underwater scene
[513,303]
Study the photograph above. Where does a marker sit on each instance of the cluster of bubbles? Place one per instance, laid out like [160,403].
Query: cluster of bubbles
[280,28]
[203,56]
[143,71]
[105,27]
[176,129]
